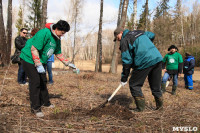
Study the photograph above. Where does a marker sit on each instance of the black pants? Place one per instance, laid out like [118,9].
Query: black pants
[138,77]
[37,86]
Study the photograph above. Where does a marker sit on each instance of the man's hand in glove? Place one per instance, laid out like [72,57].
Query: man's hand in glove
[123,83]
[75,70]
[72,65]
[40,69]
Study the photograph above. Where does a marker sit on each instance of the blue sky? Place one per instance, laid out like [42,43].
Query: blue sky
[58,9]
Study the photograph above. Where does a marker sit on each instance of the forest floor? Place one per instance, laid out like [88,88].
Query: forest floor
[77,98]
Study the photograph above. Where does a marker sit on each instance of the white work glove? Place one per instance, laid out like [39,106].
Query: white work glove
[123,83]
[72,65]
[75,70]
[40,69]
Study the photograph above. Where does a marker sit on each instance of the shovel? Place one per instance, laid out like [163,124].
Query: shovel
[113,94]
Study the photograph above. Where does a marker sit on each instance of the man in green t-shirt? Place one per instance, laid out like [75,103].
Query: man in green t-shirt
[174,65]
[35,54]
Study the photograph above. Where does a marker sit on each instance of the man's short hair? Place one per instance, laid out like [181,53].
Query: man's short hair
[23,29]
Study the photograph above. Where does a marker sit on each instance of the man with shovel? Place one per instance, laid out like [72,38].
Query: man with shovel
[139,53]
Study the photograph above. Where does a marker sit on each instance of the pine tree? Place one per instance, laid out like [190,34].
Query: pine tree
[19,23]
[34,20]
[130,24]
[164,7]
[162,25]
[142,20]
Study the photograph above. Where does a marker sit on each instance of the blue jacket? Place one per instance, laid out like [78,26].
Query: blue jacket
[138,51]
[189,64]
[51,59]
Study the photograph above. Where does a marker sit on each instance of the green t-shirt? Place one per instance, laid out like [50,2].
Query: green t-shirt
[46,44]
[172,61]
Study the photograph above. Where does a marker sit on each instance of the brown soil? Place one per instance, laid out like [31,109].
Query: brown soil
[112,110]
[77,99]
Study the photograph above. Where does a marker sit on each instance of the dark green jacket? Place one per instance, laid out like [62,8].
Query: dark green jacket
[138,51]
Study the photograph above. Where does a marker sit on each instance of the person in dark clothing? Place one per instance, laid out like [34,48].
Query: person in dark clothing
[174,66]
[20,42]
[188,70]
[139,53]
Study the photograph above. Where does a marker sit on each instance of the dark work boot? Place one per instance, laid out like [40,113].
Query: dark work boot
[186,87]
[140,103]
[163,86]
[174,90]
[159,103]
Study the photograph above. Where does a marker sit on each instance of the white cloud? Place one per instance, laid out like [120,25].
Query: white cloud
[90,12]
[56,10]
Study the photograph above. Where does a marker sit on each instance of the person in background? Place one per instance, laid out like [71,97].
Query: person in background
[174,66]
[35,54]
[20,42]
[48,67]
[34,31]
[188,70]
[139,53]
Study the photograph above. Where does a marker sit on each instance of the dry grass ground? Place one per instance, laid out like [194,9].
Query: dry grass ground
[77,96]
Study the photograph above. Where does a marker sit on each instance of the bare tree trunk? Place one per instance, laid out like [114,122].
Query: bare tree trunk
[23,8]
[99,42]
[121,23]
[2,37]
[44,13]
[182,30]
[113,67]
[135,15]
[76,17]
[119,12]
[146,15]
[124,14]
[9,32]
[75,24]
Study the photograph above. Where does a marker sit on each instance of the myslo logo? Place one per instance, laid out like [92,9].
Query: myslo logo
[185,129]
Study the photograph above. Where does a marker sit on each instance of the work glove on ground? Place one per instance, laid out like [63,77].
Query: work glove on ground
[40,69]
[123,83]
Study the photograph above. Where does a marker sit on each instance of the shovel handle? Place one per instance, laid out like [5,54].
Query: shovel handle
[114,92]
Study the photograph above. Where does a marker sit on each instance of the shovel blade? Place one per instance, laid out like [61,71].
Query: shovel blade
[103,104]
